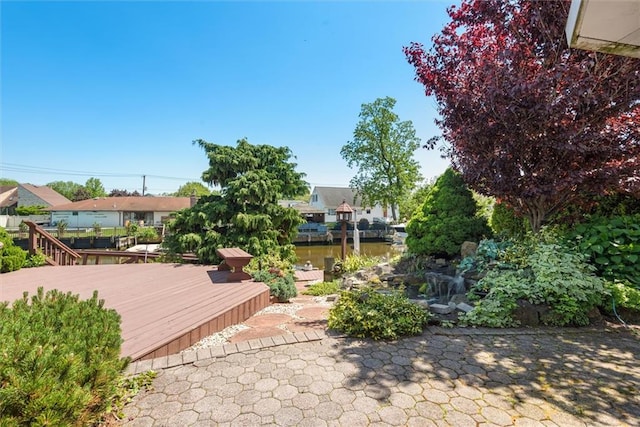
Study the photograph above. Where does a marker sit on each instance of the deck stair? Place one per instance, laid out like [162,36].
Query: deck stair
[55,252]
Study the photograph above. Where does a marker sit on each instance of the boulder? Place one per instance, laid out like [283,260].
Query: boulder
[468,249]
[440,308]
[528,314]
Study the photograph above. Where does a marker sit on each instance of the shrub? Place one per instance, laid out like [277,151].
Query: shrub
[367,313]
[363,224]
[60,359]
[542,273]
[449,216]
[354,263]
[505,222]
[36,260]
[12,257]
[268,262]
[147,234]
[612,245]
[323,288]
[622,295]
[281,285]
[31,210]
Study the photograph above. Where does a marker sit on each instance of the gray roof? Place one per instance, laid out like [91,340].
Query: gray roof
[332,197]
[48,195]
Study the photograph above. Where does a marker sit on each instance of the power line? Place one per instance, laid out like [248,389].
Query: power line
[13,167]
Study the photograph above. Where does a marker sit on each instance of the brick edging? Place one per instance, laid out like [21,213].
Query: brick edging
[224,350]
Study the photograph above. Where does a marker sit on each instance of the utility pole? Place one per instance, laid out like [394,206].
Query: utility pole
[144,177]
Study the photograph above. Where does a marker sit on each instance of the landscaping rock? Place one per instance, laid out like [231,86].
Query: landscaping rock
[440,308]
[528,314]
[464,307]
[468,249]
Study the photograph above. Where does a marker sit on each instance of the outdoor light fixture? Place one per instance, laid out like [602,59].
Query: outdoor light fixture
[343,214]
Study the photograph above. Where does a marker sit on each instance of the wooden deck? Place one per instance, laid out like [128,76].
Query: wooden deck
[165,308]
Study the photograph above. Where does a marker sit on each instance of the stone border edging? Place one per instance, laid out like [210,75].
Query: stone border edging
[186,358]
[220,351]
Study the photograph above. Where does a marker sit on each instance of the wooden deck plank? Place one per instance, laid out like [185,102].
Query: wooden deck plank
[160,304]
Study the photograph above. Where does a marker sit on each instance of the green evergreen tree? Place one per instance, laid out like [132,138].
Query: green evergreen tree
[246,213]
[448,218]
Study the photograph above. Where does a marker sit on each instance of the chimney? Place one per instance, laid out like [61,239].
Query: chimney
[193,200]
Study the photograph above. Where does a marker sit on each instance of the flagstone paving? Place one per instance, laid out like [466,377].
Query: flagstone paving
[445,377]
[286,369]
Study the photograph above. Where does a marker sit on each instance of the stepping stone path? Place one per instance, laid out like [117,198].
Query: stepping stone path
[305,314]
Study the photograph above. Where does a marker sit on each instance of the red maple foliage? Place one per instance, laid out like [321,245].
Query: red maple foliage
[525,117]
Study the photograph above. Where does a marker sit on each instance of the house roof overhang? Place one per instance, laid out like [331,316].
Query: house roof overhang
[609,26]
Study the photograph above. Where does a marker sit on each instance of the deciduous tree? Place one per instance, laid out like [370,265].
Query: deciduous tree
[123,193]
[95,188]
[526,118]
[66,188]
[382,149]
[246,213]
[192,188]
[7,182]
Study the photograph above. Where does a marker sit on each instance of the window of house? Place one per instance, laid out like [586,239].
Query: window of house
[314,197]
[332,211]
[368,210]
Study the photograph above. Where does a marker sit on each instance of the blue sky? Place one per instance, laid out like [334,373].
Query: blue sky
[118,90]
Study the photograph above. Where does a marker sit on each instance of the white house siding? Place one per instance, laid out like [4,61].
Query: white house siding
[375,212]
[159,217]
[318,201]
[86,218]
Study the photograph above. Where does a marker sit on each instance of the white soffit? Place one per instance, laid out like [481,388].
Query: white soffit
[610,26]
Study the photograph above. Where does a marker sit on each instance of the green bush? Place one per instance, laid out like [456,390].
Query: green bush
[449,217]
[622,295]
[612,245]
[354,263]
[505,222]
[36,260]
[147,234]
[368,313]
[60,359]
[31,210]
[281,285]
[323,288]
[541,273]
[12,257]
[267,262]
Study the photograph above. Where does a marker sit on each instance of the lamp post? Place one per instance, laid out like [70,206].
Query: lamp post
[343,214]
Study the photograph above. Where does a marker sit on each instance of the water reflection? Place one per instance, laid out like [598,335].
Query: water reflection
[317,254]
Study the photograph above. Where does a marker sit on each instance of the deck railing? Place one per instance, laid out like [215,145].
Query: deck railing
[56,252]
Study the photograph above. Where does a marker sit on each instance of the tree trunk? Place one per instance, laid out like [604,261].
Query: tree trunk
[394,215]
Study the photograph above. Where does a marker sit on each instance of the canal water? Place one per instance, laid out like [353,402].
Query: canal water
[317,253]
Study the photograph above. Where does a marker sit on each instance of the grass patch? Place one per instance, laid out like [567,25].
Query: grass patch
[323,288]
